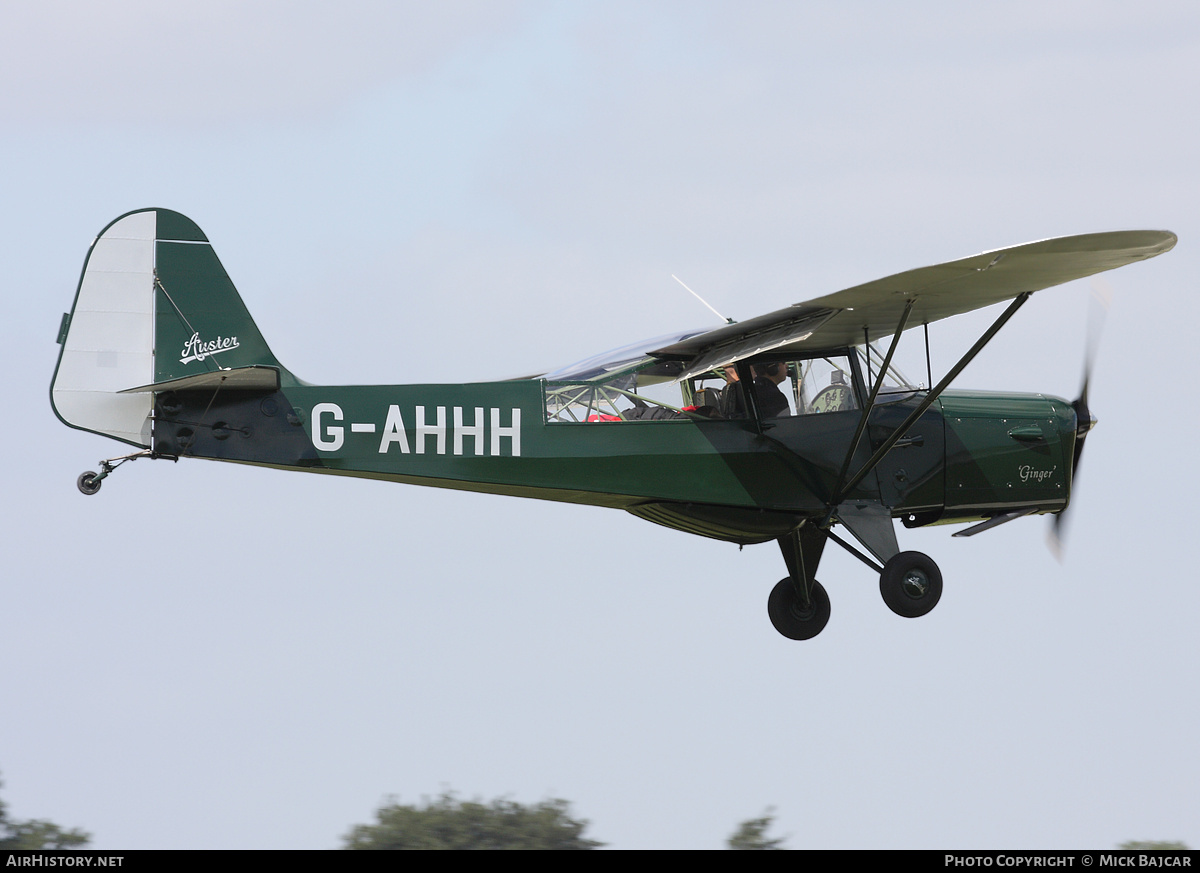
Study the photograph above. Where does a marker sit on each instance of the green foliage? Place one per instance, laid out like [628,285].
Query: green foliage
[752,833]
[448,823]
[1154,846]
[37,834]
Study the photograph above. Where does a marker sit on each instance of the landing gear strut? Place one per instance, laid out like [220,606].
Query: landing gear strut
[798,605]
[89,482]
[910,582]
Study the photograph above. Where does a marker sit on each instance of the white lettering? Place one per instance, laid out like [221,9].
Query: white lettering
[196,349]
[475,431]
[393,432]
[329,433]
[513,432]
[438,430]
[1035,861]
[1027,472]
[327,440]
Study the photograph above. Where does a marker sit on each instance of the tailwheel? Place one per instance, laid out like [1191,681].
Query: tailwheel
[89,482]
[911,584]
[791,617]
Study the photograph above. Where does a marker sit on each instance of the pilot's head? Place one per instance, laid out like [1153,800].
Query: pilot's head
[775,371]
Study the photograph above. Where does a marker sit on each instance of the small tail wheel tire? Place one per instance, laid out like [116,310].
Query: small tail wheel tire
[791,618]
[911,584]
[88,482]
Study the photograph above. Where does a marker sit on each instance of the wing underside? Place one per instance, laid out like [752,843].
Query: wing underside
[874,309]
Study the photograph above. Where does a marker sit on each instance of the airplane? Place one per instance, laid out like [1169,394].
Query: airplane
[785,427]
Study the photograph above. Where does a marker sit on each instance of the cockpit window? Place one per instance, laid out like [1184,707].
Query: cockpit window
[626,384]
[895,385]
[826,384]
[647,391]
[629,385]
[823,385]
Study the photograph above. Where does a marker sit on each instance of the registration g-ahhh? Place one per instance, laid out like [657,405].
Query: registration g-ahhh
[792,427]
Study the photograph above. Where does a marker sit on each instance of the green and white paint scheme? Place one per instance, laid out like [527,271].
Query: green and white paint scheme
[784,427]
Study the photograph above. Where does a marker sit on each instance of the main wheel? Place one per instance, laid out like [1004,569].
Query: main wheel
[911,584]
[88,483]
[793,620]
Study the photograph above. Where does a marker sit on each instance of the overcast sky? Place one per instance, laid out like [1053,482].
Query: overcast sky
[217,656]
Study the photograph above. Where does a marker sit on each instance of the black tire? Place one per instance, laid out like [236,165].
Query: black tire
[88,483]
[911,584]
[793,620]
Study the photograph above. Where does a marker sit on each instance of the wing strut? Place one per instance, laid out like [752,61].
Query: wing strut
[929,398]
[862,421]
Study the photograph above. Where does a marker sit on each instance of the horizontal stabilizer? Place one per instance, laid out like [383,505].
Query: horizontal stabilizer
[241,379]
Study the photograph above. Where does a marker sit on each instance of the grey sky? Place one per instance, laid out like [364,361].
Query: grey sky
[216,656]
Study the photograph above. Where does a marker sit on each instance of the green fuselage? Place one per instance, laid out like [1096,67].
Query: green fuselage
[969,456]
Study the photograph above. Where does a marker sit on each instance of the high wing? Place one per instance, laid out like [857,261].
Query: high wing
[873,310]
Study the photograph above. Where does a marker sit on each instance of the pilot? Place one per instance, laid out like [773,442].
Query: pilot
[771,402]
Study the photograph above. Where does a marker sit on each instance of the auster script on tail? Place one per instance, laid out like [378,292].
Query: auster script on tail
[197,350]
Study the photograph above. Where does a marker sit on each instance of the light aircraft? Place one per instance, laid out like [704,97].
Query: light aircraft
[781,428]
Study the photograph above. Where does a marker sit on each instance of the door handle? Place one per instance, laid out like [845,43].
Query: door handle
[1028,434]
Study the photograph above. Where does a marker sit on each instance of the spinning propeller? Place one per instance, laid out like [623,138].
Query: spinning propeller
[1084,420]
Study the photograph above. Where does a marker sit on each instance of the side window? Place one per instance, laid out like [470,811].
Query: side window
[823,385]
[814,386]
[650,391]
[647,391]
[895,385]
